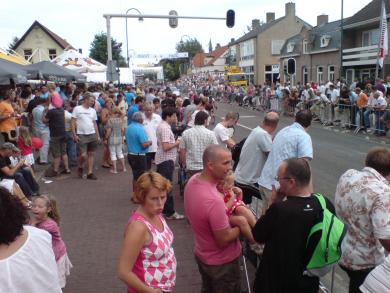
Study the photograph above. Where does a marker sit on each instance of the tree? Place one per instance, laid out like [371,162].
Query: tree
[98,50]
[210,46]
[192,46]
[171,69]
[11,45]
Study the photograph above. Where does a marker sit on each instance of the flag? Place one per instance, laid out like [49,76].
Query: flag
[384,37]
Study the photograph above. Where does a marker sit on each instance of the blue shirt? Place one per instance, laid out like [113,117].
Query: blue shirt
[135,136]
[130,112]
[129,97]
[353,97]
[290,142]
[44,95]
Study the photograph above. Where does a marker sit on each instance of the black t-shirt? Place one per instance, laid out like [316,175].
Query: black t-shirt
[32,104]
[56,118]
[4,162]
[284,229]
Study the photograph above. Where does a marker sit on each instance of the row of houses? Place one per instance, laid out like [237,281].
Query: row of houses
[344,48]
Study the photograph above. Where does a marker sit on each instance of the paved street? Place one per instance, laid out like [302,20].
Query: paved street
[94,213]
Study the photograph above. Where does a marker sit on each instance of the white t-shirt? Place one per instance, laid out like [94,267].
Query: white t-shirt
[150,127]
[222,134]
[32,268]
[68,118]
[253,156]
[85,119]
[333,95]
[191,123]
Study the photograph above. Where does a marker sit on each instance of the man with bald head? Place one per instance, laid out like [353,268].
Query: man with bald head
[284,231]
[217,247]
[254,153]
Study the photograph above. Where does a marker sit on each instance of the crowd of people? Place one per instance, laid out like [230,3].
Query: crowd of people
[268,198]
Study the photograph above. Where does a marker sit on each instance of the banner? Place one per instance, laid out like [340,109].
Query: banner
[384,37]
[162,56]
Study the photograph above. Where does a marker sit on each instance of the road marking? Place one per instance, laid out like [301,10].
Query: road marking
[240,125]
[243,126]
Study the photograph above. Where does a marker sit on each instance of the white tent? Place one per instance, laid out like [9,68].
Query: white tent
[74,60]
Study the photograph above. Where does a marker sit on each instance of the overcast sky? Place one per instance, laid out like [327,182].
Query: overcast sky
[78,21]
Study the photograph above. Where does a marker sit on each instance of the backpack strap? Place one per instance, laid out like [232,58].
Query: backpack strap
[321,199]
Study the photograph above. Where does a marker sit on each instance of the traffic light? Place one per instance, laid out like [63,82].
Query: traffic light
[230,17]
[173,21]
[291,66]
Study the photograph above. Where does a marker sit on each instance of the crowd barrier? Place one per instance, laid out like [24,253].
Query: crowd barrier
[347,116]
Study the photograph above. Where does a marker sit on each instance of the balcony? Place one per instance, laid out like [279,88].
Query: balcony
[360,56]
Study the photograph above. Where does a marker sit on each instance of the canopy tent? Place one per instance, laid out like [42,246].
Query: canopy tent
[52,72]
[4,55]
[74,60]
[11,73]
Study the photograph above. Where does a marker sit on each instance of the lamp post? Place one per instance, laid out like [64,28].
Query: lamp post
[127,36]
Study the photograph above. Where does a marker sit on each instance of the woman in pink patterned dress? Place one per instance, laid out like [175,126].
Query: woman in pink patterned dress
[147,262]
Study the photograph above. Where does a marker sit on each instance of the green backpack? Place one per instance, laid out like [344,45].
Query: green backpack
[328,248]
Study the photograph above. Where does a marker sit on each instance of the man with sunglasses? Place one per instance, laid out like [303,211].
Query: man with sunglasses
[284,231]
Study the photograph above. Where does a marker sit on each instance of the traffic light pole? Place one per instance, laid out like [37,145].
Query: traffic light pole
[108,24]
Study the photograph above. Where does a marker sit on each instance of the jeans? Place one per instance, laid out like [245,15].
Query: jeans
[26,181]
[44,151]
[71,149]
[166,169]
[367,118]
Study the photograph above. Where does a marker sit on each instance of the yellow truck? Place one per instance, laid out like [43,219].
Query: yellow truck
[234,76]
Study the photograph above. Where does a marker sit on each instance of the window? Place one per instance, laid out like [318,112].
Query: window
[325,41]
[320,74]
[27,53]
[52,53]
[247,50]
[305,75]
[370,38]
[277,46]
[290,47]
[331,73]
[305,47]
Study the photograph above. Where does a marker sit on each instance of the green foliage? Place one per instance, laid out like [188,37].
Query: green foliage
[171,69]
[192,46]
[98,50]
[11,46]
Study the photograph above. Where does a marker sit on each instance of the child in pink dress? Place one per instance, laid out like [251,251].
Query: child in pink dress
[239,214]
[46,217]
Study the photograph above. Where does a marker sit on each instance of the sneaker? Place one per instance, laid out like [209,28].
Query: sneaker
[175,216]
[91,176]
[66,172]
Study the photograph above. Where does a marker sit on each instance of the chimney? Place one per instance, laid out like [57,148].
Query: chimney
[232,40]
[255,23]
[290,9]
[322,19]
[81,51]
[270,16]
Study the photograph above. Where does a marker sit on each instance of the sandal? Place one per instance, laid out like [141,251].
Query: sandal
[106,166]
[66,172]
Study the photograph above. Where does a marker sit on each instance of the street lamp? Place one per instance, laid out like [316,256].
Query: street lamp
[140,19]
